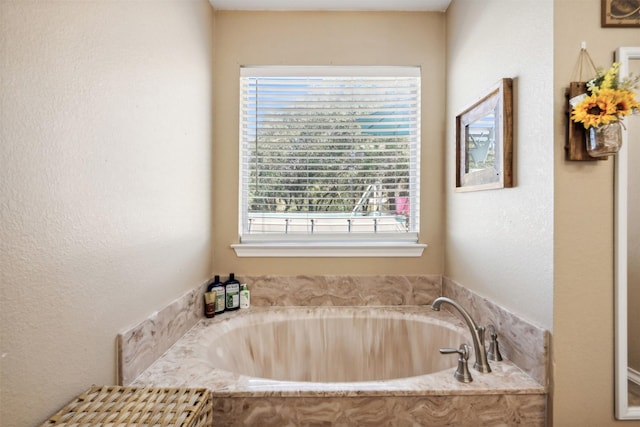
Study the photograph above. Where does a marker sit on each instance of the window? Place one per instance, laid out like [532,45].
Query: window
[329,156]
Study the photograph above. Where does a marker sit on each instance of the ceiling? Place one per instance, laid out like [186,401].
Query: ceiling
[371,5]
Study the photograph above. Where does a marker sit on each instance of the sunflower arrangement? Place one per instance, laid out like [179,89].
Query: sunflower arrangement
[608,100]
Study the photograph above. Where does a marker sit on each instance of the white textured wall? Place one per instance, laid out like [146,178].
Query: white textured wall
[104,182]
[499,243]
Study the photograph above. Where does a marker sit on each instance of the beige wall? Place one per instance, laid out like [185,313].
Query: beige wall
[583,346]
[104,184]
[499,243]
[245,38]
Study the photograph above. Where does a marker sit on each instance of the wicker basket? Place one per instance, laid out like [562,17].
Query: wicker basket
[119,406]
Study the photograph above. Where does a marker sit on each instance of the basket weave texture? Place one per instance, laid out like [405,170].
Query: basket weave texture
[131,406]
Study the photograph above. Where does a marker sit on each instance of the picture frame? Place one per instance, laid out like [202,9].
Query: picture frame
[484,141]
[620,13]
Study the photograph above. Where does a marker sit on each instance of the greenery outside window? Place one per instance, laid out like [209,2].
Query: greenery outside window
[329,157]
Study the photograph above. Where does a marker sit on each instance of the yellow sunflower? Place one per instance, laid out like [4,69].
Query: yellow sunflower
[625,102]
[609,99]
[595,110]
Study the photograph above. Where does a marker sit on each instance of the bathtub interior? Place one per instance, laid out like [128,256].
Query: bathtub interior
[329,347]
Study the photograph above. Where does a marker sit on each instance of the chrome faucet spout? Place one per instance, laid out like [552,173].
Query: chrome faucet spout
[477,333]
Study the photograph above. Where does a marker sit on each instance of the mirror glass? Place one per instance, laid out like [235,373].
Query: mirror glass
[628,255]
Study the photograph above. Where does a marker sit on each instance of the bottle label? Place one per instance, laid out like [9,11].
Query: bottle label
[244,299]
[233,295]
[219,290]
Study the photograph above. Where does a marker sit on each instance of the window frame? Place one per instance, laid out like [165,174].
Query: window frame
[387,244]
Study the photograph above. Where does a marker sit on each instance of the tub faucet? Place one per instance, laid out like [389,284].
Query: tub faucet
[477,333]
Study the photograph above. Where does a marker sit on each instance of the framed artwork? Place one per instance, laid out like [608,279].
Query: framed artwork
[620,13]
[484,141]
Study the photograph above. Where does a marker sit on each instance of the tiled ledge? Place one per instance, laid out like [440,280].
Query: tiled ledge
[343,290]
[189,362]
[521,342]
[140,345]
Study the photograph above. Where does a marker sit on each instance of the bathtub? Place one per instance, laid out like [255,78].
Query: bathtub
[281,366]
[334,345]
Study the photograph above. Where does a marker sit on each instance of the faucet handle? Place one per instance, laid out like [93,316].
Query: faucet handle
[463,351]
[493,353]
[462,374]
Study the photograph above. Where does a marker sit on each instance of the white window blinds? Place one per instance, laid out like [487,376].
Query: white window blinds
[329,153]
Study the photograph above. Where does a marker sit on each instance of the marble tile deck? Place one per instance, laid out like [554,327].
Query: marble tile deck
[172,348]
[388,411]
[190,363]
[140,345]
[506,396]
[522,342]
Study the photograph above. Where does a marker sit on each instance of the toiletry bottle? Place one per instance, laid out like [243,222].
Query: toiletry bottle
[209,304]
[210,298]
[245,297]
[218,289]
[233,293]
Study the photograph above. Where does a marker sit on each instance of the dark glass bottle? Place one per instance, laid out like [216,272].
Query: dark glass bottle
[232,289]
[218,288]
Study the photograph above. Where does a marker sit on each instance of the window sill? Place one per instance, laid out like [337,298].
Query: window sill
[332,250]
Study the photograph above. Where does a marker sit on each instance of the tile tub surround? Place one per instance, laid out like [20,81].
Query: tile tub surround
[505,396]
[523,343]
[142,344]
[520,341]
[343,290]
[389,411]
[139,346]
